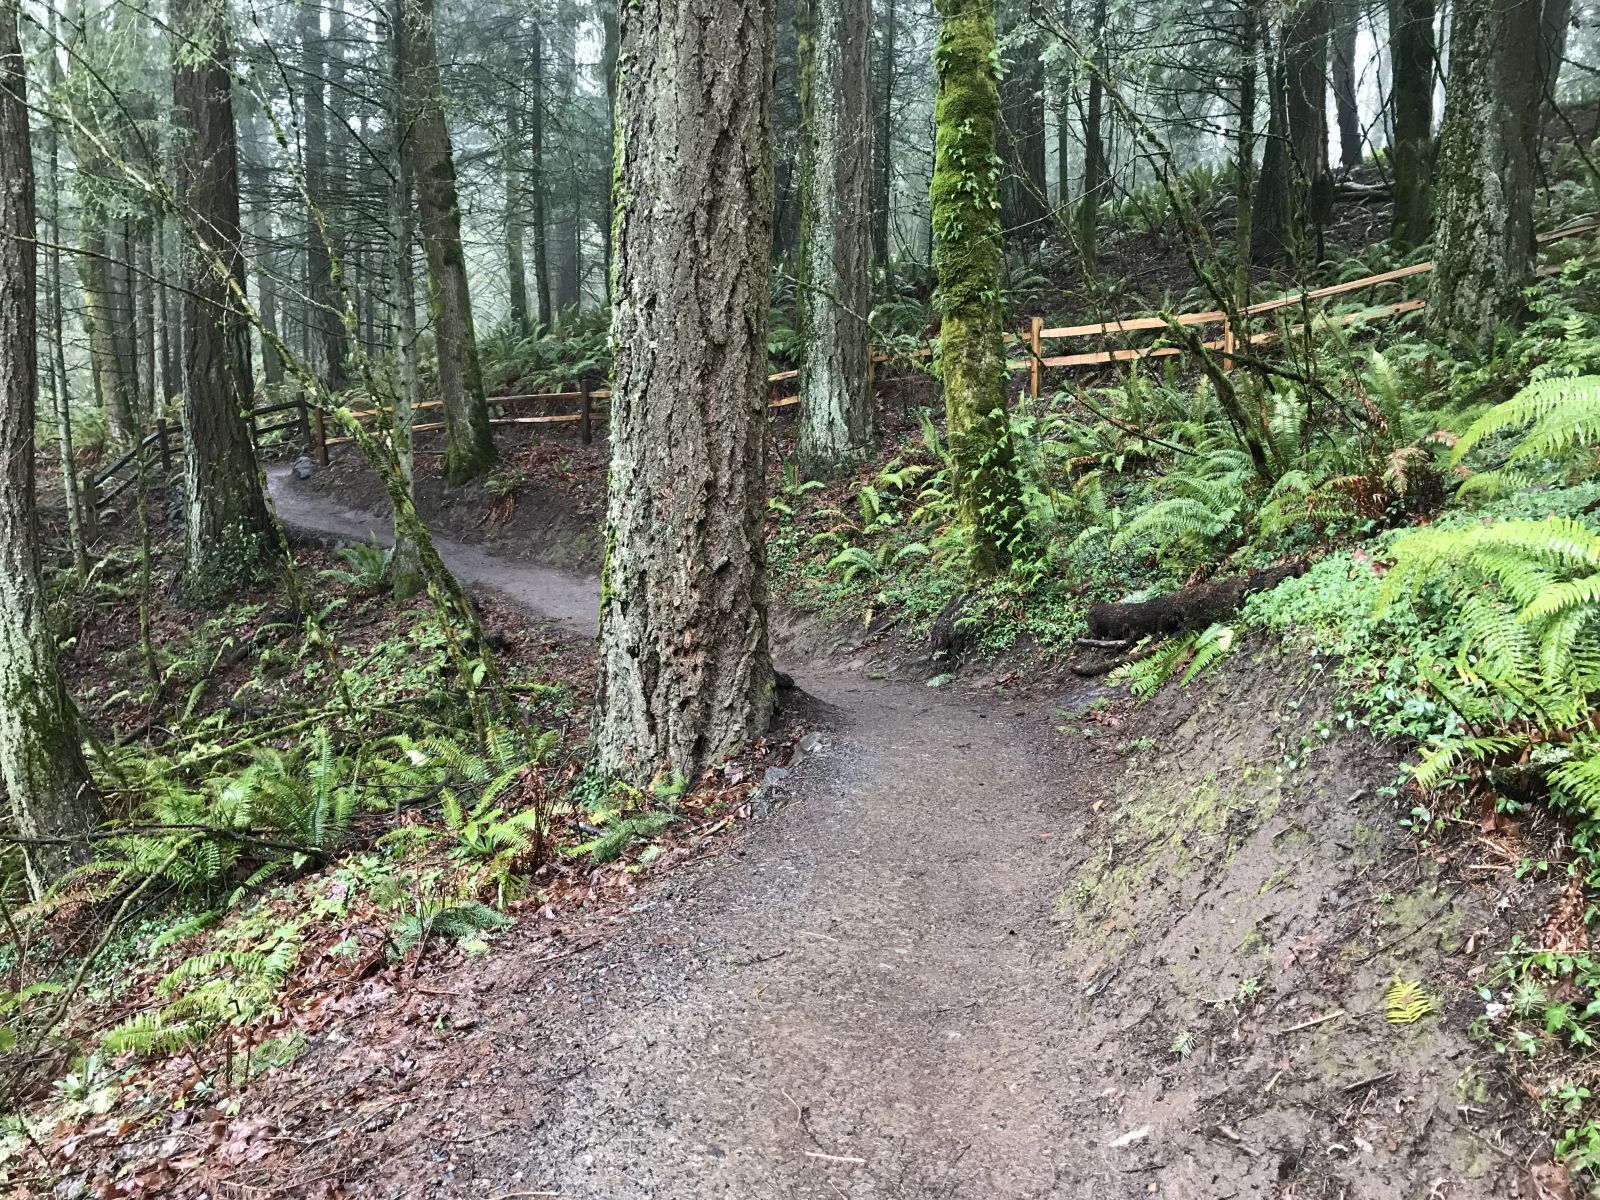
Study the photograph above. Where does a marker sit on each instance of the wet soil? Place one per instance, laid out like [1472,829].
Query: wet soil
[984,943]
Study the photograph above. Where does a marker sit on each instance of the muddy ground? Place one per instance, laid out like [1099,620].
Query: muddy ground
[984,942]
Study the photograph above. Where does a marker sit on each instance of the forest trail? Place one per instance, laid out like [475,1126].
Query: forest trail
[569,600]
[875,993]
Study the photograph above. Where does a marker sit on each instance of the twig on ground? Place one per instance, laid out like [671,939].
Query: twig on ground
[1322,1020]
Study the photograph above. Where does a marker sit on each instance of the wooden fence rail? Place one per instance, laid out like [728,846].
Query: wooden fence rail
[587,405]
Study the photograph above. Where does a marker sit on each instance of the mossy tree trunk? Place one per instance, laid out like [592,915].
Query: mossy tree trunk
[1411,55]
[1245,147]
[835,292]
[469,440]
[967,250]
[41,756]
[225,514]
[685,673]
[1483,232]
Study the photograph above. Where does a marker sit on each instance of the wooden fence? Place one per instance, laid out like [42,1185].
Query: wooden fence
[165,442]
[586,405]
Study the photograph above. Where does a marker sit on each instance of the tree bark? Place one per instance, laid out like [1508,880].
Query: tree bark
[225,514]
[835,292]
[608,63]
[536,176]
[1245,147]
[967,253]
[1411,55]
[685,673]
[1483,229]
[469,441]
[566,244]
[1024,206]
[1295,191]
[516,259]
[883,137]
[330,341]
[41,755]
[406,575]
[1346,26]
[1094,153]
[56,368]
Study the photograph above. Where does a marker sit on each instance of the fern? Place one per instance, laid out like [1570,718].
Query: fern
[1200,650]
[1405,1003]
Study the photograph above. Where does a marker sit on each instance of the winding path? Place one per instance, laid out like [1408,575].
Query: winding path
[864,996]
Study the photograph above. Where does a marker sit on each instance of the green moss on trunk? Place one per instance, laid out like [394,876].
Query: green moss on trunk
[967,255]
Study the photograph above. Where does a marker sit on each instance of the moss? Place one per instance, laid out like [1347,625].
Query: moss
[967,254]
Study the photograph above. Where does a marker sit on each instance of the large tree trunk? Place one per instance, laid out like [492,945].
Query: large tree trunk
[835,236]
[330,341]
[225,515]
[1024,204]
[1295,193]
[41,755]
[685,673]
[1411,54]
[469,441]
[967,251]
[1555,19]
[1346,25]
[884,96]
[1483,230]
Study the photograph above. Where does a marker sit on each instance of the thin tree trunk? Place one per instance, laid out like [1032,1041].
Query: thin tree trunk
[144,294]
[1411,55]
[1555,20]
[1346,25]
[685,673]
[1483,232]
[1296,191]
[60,387]
[171,323]
[469,441]
[225,514]
[1023,203]
[405,566]
[883,140]
[567,250]
[1094,153]
[329,340]
[536,177]
[835,235]
[516,261]
[1245,146]
[41,755]
[967,253]
[608,64]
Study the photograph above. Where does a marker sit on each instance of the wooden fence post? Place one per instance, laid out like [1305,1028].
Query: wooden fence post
[163,449]
[319,435]
[1035,357]
[1227,344]
[586,424]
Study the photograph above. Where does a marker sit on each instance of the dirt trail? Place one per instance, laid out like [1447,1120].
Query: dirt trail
[939,970]
[570,601]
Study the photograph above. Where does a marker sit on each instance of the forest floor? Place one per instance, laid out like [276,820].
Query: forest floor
[998,939]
